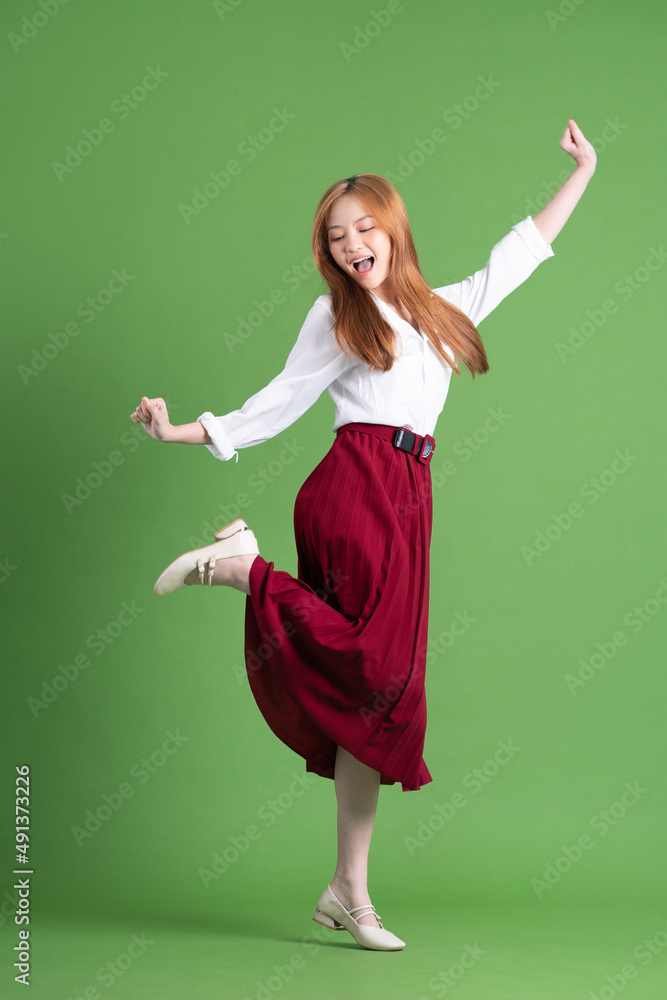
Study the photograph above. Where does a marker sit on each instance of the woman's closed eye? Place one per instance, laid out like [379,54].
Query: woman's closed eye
[334,239]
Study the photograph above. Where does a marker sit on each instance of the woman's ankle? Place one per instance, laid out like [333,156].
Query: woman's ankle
[241,579]
[351,887]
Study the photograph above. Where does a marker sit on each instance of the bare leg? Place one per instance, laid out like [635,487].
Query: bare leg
[357,787]
[232,571]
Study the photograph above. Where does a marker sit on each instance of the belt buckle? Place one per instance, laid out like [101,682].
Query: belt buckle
[425,453]
[404,439]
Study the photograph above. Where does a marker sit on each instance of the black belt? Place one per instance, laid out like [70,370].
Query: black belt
[421,447]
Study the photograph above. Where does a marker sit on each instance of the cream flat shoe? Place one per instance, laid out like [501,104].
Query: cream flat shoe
[234,539]
[331,913]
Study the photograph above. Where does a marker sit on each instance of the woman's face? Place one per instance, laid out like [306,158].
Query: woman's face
[354,234]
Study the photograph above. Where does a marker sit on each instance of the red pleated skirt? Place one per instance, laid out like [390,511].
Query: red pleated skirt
[337,654]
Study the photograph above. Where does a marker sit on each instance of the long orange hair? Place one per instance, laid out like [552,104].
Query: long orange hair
[360,328]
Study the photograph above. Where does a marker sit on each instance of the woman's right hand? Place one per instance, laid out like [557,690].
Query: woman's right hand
[152,413]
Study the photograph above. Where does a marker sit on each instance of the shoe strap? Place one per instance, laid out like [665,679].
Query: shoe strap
[366,906]
[207,567]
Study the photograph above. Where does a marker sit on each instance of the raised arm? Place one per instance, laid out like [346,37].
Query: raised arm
[551,219]
[528,243]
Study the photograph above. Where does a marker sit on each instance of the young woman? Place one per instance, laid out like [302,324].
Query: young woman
[336,655]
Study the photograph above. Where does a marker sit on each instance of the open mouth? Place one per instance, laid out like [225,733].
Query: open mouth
[363,265]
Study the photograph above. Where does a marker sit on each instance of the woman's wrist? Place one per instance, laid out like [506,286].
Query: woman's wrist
[585,169]
[194,433]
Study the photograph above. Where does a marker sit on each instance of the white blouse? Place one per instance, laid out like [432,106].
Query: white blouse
[412,394]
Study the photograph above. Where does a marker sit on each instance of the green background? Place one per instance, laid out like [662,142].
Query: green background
[363,99]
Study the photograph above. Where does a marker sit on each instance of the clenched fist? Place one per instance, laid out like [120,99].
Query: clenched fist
[574,142]
[152,413]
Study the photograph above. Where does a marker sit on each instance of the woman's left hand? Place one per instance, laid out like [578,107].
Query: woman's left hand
[577,145]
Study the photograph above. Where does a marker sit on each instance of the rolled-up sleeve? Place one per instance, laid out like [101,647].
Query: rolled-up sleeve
[315,361]
[511,261]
